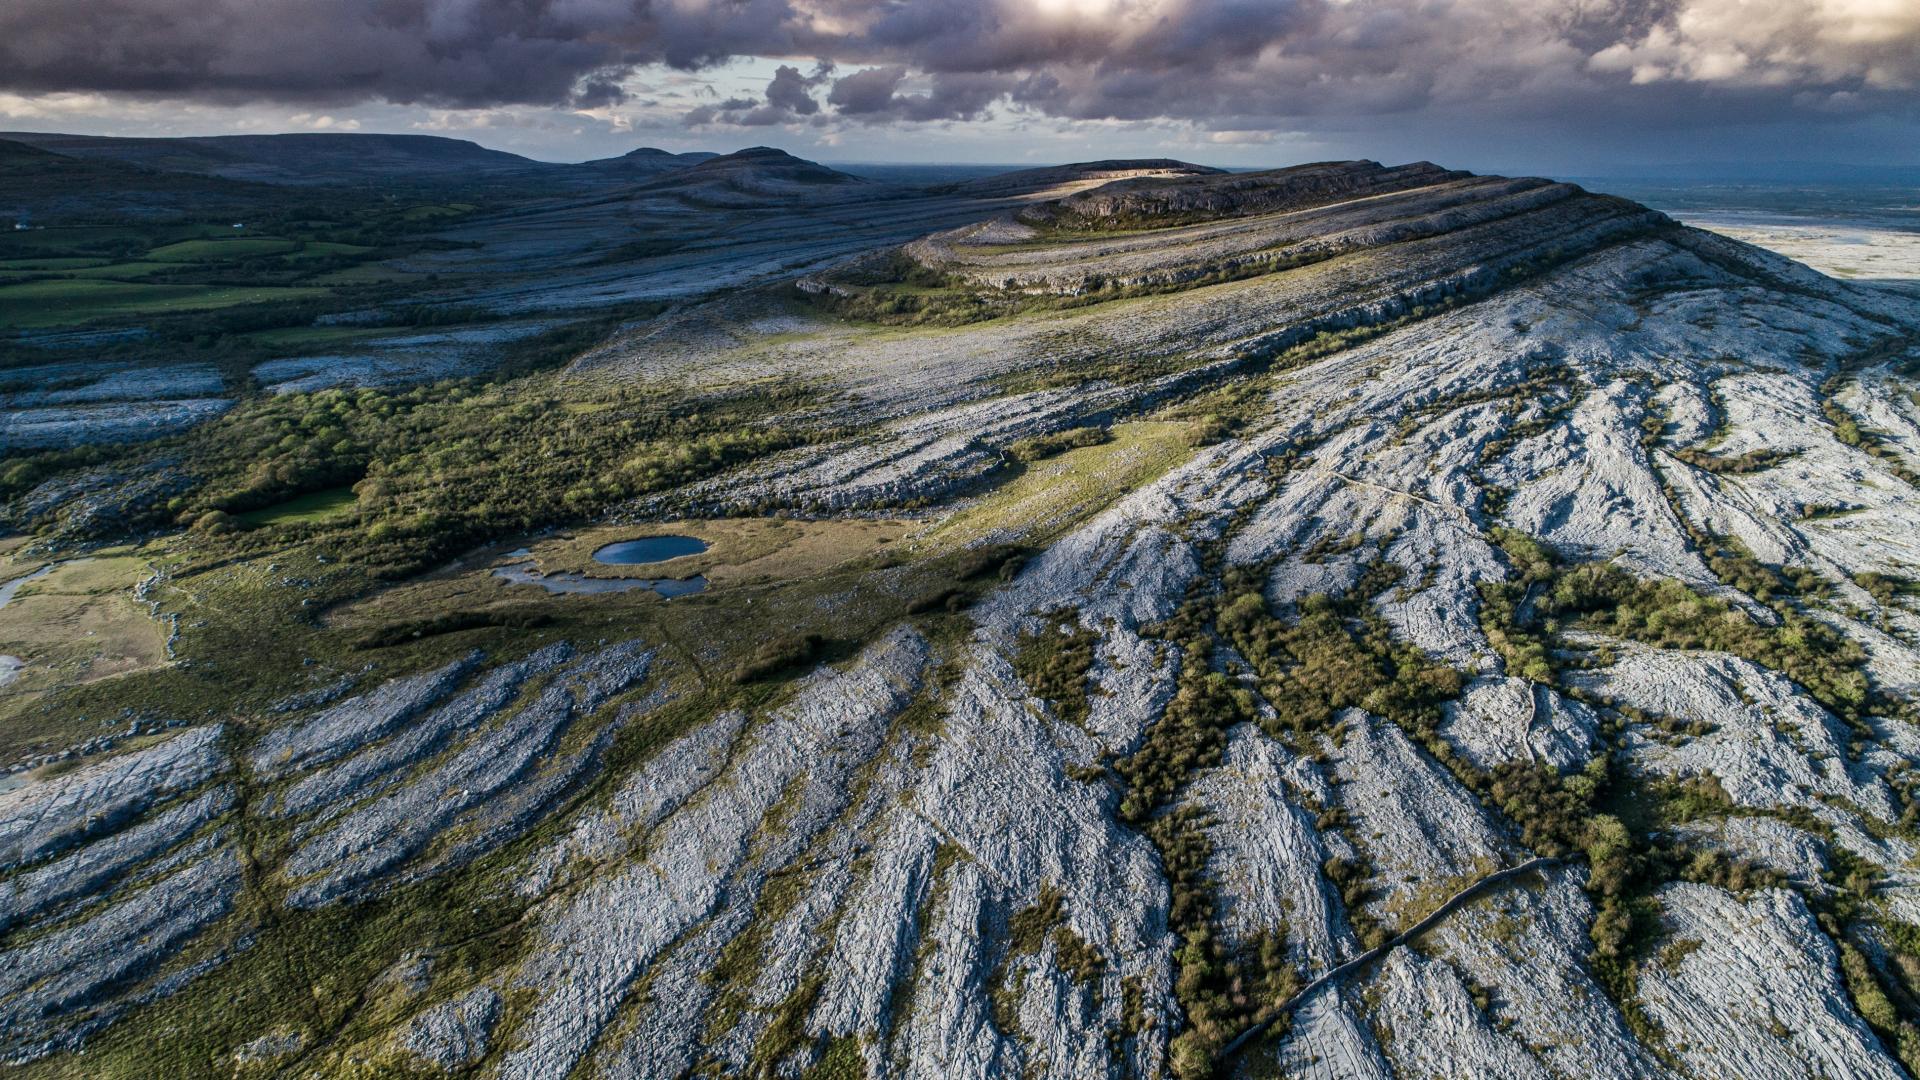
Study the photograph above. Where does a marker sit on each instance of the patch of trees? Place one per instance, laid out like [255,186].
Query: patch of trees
[1750,462]
[974,571]
[440,469]
[1189,736]
[1849,431]
[1056,663]
[1223,988]
[1337,654]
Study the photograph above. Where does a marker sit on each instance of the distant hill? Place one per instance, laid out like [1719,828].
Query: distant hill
[1220,194]
[354,159]
[39,185]
[759,175]
[299,158]
[646,161]
[765,163]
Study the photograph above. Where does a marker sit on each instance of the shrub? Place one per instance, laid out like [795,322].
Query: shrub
[1056,661]
[1005,560]
[779,655]
[1041,447]
[216,523]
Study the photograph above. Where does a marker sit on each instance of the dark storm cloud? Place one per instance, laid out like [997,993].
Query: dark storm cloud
[789,99]
[793,91]
[1223,64]
[869,96]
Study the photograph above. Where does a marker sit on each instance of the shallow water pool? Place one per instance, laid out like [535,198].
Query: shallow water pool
[649,549]
[564,582]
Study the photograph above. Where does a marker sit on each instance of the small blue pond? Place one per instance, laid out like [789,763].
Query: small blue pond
[649,549]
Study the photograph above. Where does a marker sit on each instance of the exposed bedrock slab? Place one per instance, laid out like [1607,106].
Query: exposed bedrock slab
[455,1034]
[374,840]
[342,728]
[42,818]
[56,983]
[1756,991]
[594,944]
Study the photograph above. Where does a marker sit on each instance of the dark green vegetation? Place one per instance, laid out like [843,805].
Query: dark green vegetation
[1055,661]
[436,470]
[182,281]
[780,654]
[1040,447]
[1334,652]
[1623,826]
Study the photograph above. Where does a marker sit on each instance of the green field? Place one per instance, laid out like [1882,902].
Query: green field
[313,506]
[239,247]
[100,275]
[126,271]
[309,337]
[322,247]
[42,265]
[63,302]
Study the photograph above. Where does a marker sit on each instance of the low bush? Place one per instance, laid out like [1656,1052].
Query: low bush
[1041,447]
[779,655]
[1056,662]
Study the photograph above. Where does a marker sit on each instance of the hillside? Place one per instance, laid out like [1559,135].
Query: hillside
[647,161]
[1058,180]
[757,176]
[1164,199]
[299,158]
[1345,621]
[37,185]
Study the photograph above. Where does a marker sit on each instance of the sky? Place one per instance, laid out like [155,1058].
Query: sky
[1561,87]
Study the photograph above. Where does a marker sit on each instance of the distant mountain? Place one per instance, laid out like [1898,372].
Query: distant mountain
[38,185]
[759,175]
[300,158]
[647,160]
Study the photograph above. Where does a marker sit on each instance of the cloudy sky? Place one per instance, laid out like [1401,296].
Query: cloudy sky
[1573,87]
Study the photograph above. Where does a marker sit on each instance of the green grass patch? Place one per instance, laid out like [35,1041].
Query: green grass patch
[1050,496]
[312,337]
[322,247]
[125,271]
[313,506]
[54,264]
[51,303]
[199,251]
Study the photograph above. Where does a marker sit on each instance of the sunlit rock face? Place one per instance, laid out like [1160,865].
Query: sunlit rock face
[914,861]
